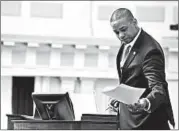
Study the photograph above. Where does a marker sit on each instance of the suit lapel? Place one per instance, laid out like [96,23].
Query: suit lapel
[119,59]
[120,52]
[133,51]
[130,58]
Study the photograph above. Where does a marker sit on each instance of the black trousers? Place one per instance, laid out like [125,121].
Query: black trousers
[153,123]
[160,125]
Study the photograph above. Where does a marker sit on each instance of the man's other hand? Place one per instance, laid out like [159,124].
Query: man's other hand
[142,105]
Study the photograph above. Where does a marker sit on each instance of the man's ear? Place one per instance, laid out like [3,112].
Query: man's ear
[135,21]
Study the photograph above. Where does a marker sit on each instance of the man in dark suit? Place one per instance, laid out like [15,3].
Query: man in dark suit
[141,64]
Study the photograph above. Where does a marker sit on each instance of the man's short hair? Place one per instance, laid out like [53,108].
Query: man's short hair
[121,13]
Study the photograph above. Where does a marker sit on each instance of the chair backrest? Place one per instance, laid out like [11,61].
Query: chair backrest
[36,115]
[53,106]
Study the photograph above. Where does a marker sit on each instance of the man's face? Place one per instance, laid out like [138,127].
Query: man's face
[124,29]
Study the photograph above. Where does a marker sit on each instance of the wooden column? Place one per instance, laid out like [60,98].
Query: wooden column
[7,53]
[103,57]
[79,56]
[67,84]
[55,55]
[31,54]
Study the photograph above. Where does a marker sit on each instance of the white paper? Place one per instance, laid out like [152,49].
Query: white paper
[124,93]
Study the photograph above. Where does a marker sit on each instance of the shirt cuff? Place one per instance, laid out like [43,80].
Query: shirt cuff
[149,105]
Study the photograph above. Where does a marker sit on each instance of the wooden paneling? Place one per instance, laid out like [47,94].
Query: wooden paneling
[11,8]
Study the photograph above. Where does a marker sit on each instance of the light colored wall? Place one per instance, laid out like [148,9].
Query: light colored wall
[6,99]
[83,18]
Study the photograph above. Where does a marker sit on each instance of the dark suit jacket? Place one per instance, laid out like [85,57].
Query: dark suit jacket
[145,68]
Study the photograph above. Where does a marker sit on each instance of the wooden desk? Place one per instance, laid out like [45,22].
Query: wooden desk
[88,122]
[62,125]
[10,118]
[99,117]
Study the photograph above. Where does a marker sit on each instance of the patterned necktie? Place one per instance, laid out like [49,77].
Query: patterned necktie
[126,52]
[124,57]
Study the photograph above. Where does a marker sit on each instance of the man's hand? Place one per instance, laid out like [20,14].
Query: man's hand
[142,105]
[113,105]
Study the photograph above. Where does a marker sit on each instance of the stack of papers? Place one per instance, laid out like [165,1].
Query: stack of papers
[124,93]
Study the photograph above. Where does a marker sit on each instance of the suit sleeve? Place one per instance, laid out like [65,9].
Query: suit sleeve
[154,71]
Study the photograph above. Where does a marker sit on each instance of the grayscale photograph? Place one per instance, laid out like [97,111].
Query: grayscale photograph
[89,65]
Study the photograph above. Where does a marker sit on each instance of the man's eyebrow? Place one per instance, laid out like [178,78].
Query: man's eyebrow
[123,27]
